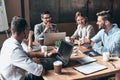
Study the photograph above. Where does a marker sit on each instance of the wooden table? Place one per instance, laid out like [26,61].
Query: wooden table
[69,73]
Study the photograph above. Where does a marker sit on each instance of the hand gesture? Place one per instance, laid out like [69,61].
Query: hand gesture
[47,26]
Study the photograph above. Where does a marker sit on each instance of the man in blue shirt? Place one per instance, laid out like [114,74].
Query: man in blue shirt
[109,35]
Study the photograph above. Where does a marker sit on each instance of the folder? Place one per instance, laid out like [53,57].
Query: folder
[90,68]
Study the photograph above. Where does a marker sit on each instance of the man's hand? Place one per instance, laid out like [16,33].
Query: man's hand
[83,41]
[36,60]
[47,26]
[54,51]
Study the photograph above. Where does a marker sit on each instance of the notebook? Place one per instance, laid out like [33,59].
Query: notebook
[63,55]
[26,49]
[90,68]
[50,38]
[36,48]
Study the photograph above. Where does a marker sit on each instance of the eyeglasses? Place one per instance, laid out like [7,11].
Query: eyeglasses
[46,17]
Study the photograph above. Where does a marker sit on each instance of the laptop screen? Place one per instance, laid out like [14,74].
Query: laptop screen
[50,38]
[65,51]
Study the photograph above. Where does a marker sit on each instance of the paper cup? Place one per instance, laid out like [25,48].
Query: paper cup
[67,39]
[106,56]
[57,67]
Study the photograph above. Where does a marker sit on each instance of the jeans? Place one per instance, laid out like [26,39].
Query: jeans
[33,77]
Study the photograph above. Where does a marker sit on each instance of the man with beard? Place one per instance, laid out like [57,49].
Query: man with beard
[109,35]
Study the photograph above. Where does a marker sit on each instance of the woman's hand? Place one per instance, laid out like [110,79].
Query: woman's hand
[83,41]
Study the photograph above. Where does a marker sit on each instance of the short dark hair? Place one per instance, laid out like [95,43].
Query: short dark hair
[45,12]
[106,15]
[18,24]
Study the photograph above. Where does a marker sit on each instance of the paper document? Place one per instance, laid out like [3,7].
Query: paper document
[26,49]
[36,48]
[90,68]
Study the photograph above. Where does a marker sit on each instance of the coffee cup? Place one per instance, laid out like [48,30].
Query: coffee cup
[57,67]
[44,49]
[67,39]
[106,56]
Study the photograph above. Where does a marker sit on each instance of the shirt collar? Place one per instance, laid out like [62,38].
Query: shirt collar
[15,41]
[43,23]
[113,29]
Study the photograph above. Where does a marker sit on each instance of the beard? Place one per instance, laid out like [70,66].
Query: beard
[103,27]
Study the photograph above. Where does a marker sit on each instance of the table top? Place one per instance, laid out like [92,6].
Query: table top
[68,73]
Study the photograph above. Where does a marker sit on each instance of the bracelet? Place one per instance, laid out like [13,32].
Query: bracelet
[45,54]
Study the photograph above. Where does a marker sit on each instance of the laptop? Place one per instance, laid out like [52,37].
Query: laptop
[50,38]
[63,55]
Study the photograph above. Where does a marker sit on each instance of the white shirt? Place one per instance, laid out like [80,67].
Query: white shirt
[14,61]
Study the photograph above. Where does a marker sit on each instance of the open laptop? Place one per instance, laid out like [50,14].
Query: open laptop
[63,55]
[50,38]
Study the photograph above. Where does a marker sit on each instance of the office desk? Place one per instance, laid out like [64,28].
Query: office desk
[69,73]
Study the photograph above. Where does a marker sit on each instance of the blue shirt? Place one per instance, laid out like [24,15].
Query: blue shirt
[110,40]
